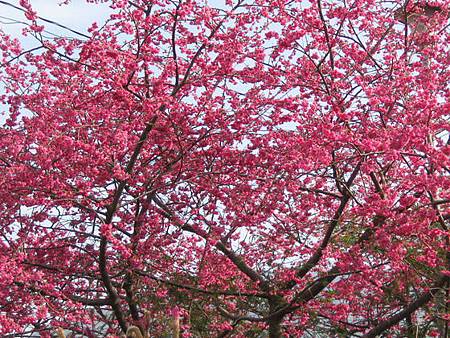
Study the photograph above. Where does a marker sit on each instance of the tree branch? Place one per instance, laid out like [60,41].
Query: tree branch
[408,310]
[237,260]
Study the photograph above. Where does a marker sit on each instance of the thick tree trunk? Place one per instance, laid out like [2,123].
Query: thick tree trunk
[275,302]
[275,328]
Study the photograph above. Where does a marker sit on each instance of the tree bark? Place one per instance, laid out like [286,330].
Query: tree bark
[275,303]
[275,328]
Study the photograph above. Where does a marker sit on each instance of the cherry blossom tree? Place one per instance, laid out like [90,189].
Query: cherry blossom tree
[236,168]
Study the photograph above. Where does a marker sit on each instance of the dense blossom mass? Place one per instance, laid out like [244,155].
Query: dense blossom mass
[238,168]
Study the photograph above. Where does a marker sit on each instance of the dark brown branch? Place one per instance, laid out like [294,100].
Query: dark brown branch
[336,218]
[112,292]
[315,258]
[327,37]
[90,302]
[424,298]
[174,51]
[320,191]
[78,299]
[241,265]
[200,50]
[15,58]
[237,260]
[129,168]
[204,291]
[378,187]
[128,287]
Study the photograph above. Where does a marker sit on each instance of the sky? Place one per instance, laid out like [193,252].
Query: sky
[77,15]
